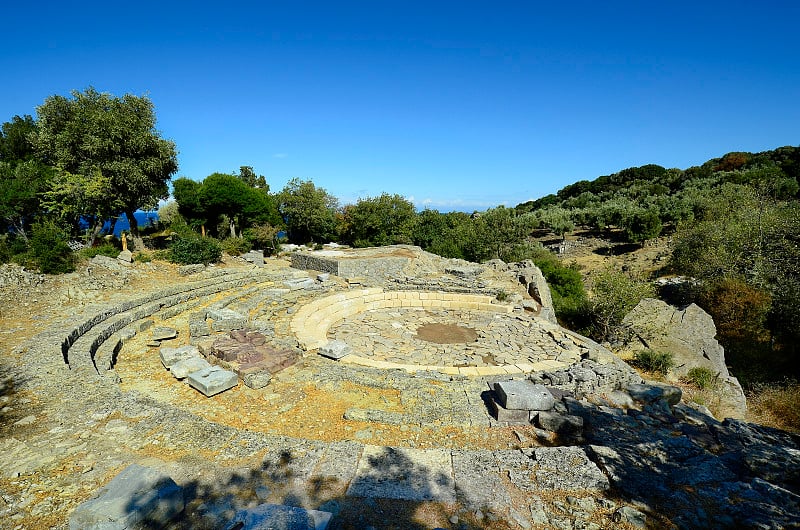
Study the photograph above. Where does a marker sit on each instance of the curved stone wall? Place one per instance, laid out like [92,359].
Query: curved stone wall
[312,322]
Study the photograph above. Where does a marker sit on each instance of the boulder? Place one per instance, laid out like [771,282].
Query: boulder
[532,278]
[256,257]
[688,334]
[226,319]
[126,256]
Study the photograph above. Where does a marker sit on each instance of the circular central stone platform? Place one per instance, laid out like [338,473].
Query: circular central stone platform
[452,337]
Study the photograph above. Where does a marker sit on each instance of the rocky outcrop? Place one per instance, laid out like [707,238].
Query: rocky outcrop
[536,286]
[688,334]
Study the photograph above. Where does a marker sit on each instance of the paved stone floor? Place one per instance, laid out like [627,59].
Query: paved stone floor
[503,339]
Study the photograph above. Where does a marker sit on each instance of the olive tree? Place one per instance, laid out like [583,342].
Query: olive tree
[96,134]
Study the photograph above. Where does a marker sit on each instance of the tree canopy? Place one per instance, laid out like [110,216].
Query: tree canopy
[94,135]
[309,211]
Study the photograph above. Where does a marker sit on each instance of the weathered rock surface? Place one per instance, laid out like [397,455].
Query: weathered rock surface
[139,497]
[212,380]
[688,334]
[279,517]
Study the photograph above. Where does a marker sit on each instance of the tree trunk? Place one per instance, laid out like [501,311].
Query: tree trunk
[233,228]
[133,222]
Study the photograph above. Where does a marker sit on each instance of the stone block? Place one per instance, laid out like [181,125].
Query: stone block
[273,516]
[212,380]
[524,395]
[561,424]
[170,356]
[503,414]
[138,497]
[256,257]
[227,320]
[335,349]
[182,369]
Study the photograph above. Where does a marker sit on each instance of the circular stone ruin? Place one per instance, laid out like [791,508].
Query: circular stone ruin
[452,333]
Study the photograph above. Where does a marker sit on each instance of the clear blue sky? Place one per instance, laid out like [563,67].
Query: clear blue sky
[455,105]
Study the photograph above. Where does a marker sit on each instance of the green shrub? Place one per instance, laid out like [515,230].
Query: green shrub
[654,362]
[5,250]
[701,377]
[107,249]
[49,250]
[236,246]
[142,257]
[188,251]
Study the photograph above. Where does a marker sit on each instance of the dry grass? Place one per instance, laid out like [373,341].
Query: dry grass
[775,405]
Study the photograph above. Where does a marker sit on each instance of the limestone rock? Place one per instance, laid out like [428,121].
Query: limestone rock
[688,334]
[139,497]
[126,256]
[256,257]
[524,395]
[164,333]
[170,356]
[212,380]
[335,349]
[226,319]
[184,367]
[532,278]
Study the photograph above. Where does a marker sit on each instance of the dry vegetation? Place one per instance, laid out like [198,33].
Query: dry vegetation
[774,405]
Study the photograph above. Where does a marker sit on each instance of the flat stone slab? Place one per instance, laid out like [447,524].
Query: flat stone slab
[278,516]
[524,395]
[299,283]
[335,349]
[170,356]
[138,497]
[212,380]
[402,473]
[185,367]
[164,333]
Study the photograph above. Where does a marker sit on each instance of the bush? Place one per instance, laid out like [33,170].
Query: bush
[614,294]
[654,362]
[142,257]
[263,237]
[49,250]
[701,377]
[107,249]
[188,251]
[236,246]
